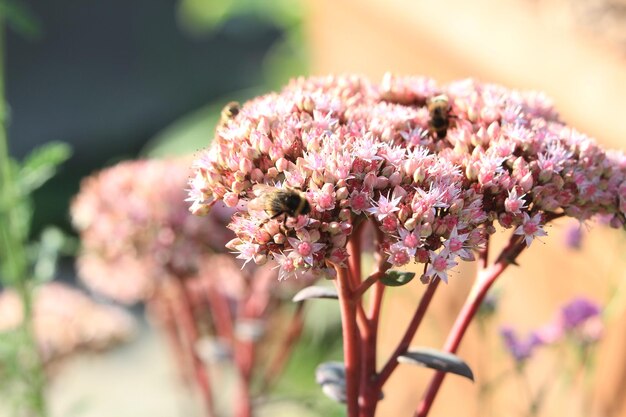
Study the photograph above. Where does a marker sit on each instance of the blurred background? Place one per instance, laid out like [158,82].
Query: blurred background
[121,80]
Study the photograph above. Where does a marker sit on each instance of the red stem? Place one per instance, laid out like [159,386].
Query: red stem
[218,304]
[402,347]
[485,278]
[351,348]
[275,369]
[370,392]
[244,359]
[369,281]
[183,314]
[160,307]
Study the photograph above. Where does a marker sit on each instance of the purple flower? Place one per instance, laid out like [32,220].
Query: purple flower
[520,349]
[575,313]
[574,236]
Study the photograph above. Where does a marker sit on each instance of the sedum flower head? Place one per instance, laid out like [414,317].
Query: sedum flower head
[358,150]
[135,225]
[65,320]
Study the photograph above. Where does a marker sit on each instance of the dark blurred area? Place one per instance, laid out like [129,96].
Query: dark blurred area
[105,77]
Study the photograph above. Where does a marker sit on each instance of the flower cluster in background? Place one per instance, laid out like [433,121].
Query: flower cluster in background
[360,149]
[135,228]
[66,321]
[141,243]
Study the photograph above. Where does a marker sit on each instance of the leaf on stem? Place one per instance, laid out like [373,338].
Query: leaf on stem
[315,292]
[331,376]
[47,254]
[397,278]
[41,165]
[436,359]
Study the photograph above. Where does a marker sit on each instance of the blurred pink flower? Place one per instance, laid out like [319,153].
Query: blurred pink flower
[135,227]
[354,145]
[66,320]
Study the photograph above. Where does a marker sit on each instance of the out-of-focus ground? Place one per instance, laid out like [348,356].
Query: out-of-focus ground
[136,379]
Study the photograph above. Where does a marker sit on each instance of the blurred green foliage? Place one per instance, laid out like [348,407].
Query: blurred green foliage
[286,58]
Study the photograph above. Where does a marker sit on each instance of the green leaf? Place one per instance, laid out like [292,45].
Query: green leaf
[47,254]
[20,18]
[198,16]
[397,278]
[41,165]
[436,359]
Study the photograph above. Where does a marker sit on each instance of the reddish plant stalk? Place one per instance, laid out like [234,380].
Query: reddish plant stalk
[186,323]
[484,280]
[244,360]
[161,308]
[275,369]
[351,337]
[370,392]
[402,347]
[218,304]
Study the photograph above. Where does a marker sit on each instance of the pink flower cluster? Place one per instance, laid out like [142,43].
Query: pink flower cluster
[135,226]
[66,320]
[362,150]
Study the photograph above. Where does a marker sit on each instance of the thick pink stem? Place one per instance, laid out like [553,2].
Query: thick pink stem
[183,313]
[402,347]
[485,278]
[351,338]
[244,360]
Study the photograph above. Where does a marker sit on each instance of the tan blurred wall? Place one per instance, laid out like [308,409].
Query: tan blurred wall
[520,45]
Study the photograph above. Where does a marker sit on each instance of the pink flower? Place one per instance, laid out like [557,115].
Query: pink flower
[305,246]
[440,263]
[531,228]
[456,245]
[514,203]
[135,227]
[65,320]
[384,206]
[361,150]
[400,255]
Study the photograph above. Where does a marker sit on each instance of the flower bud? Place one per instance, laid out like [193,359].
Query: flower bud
[545,175]
[231,199]
[342,193]
[410,224]
[527,182]
[282,164]
[260,259]
[395,179]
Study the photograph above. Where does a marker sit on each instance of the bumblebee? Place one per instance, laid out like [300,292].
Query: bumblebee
[276,201]
[230,111]
[439,109]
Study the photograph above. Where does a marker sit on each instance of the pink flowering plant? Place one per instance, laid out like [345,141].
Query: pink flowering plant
[372,155]
[140,243]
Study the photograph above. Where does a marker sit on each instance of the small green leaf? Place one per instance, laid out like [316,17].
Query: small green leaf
[41,165]
[50,245]
[397,278]
[20,18]
[436,359]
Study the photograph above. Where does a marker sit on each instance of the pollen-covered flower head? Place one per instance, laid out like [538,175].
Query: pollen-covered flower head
[359,150]
[135,226]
